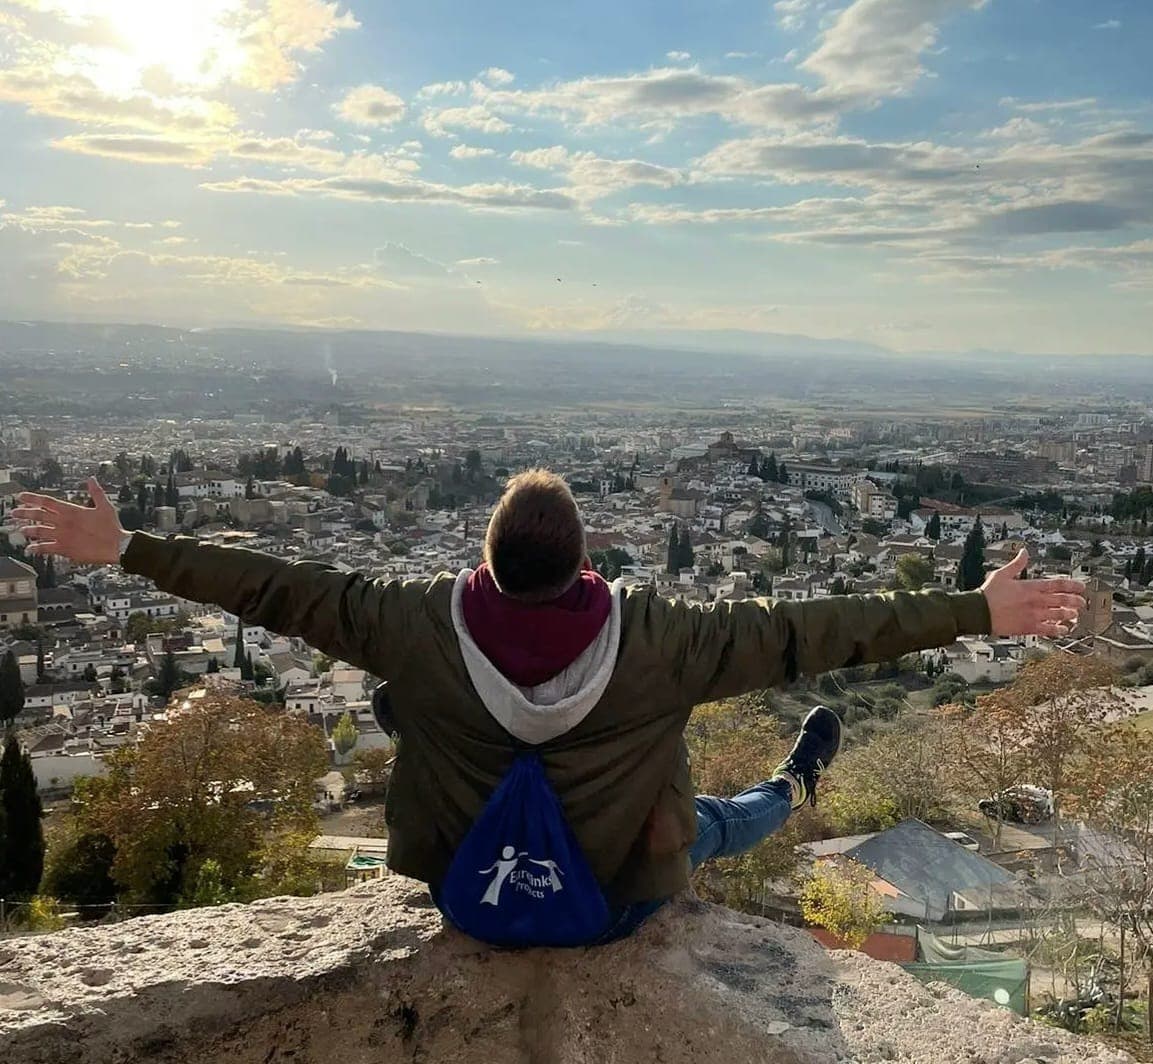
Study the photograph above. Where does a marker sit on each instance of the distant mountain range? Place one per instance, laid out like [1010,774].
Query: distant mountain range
[632,366]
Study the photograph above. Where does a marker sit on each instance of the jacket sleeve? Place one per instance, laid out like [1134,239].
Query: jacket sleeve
[730,648]
[367,623]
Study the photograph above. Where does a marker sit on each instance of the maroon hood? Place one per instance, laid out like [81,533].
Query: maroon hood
[530,644]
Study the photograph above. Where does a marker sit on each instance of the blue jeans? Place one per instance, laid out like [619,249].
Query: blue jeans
[725,827]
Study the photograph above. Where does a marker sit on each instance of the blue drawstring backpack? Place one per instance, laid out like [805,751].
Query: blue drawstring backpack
[519,878]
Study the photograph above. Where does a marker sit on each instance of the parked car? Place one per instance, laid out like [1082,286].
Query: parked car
[1022,804]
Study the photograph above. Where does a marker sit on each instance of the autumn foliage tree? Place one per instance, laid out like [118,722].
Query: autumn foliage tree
[733,745]
[838,896]
[1047,728]
[216,781]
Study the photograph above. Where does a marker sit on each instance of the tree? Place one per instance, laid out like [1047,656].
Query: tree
[1046,728]
[11,689]
[247,672]
[895,775]
[731,743]
[1096,549]
[116,679]
[213,666]
[143,498]
[610,562]
[40,669]
[754,467]
[838,586]
[89,674]
[344,735]
[871,526]
[769,470]
[208,888]
[933,529]
[914,571]
[782,474]
[673,555]
[238,658]
[78,867]
[838,895]
[23,843]
[171,495]
[373,765]
[250,488]
[759,526]
[218,781]
[168,678]
[473,466]
[685,556]
[971,568]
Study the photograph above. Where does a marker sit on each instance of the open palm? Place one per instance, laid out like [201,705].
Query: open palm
[88,535]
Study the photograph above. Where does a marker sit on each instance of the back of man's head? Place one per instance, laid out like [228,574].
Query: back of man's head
[535,544]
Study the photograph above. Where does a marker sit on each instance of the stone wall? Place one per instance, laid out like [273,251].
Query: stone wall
[370,975]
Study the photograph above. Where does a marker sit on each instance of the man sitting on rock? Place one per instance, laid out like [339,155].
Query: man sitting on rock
[534,660]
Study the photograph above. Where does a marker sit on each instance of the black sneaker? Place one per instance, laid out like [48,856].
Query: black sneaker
[814,751]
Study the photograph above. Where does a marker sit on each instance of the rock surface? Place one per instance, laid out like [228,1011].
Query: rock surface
[369,976]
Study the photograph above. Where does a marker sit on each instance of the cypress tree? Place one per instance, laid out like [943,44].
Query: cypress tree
[238,657]
[971,568]
[11,689]
[769,468]
[23,843]
[685,557]
[39,660]
[673,556]
[782,473]
[933,531]
[754,468]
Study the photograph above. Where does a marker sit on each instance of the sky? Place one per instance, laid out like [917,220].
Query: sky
[919,174]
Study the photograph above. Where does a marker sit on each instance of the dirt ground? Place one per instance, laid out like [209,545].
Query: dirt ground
[364,819]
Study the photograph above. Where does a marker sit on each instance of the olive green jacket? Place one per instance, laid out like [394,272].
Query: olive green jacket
[622,771]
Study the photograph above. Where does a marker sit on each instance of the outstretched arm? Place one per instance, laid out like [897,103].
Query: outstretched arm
[365,622]
[731,648]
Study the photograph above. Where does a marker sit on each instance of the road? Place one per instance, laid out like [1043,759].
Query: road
[829,520]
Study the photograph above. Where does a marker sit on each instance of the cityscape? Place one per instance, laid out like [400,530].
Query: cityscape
[603,532]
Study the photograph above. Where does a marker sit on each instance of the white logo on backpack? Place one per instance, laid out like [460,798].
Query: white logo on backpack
[506,870]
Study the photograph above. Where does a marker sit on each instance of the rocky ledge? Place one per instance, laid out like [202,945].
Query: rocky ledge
[370,975]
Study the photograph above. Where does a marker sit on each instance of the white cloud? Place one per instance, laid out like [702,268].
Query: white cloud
[1108,24]
[482,261]
[283,30]
[487,196]
[791,13]
[371,105]
[592,176]
[139,148]
[442,88]
[1040,106]
[873,48]
[476,118]
[679,57]
[670,94]
[740,55]
[467,151]
[497,76]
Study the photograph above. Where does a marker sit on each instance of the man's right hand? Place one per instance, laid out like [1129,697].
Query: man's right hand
[87,535]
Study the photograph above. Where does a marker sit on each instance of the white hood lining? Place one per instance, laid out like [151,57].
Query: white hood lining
[534,715]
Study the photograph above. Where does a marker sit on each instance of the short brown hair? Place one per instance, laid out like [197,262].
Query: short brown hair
[535,544]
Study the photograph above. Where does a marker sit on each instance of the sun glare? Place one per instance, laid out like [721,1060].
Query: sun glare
[160,46]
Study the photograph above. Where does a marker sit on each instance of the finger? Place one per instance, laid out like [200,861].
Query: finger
[1054,629]
[32,513]
[1060,587]
[1071,602]
[41,547]
[38,532]
[43,502]
[98,495]
[1061,613]
[1017,566]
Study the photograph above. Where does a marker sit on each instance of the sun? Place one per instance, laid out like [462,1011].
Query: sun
[187,46]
